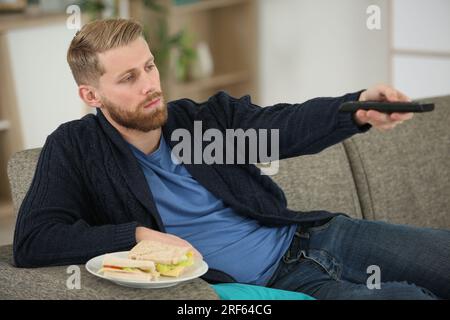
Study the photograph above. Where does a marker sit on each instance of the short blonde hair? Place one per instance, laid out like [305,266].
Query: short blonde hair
[97,37]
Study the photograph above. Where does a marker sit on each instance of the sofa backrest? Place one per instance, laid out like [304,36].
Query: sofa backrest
[21,169]
[403,175]
[320,182]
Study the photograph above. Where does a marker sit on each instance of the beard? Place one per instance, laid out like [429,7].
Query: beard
[139,119]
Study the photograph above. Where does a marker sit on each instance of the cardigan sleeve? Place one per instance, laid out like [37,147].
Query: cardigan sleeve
[50,229]
[305,128]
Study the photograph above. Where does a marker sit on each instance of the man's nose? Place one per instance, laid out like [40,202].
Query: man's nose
[148,88]
[149,85]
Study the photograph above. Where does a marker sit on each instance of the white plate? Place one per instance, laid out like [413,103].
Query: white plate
[198,269]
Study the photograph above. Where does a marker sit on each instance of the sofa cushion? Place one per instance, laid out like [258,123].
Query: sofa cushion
[320,182]
[240,291]
[51,283]
[403,175]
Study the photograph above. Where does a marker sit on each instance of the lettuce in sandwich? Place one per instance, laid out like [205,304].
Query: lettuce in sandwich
[169,260]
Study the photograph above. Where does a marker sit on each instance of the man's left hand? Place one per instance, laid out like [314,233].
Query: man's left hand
[379,120]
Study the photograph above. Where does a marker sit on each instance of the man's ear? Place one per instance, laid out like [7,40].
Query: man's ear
[89,95]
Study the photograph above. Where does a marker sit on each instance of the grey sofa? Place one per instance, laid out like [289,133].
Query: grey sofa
[401,176]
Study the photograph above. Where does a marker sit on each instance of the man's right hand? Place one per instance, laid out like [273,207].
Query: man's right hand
[143,233]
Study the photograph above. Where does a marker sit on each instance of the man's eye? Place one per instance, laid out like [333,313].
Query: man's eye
[150,67]
[129,78]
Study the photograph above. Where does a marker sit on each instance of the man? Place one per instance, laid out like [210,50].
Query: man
[106,182]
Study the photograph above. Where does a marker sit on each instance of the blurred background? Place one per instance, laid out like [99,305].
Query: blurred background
[274,50]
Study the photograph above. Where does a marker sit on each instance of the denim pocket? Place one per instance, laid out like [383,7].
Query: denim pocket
[324,226]
[326,261]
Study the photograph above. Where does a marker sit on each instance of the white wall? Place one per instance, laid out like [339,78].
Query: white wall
[46,92]
[421,47]
[422,77]
[422,25]
[312,48]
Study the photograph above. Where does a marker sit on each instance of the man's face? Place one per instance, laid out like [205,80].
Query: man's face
[130,89]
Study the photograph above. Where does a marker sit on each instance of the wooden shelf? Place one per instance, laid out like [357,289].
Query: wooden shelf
[23,20]
[203,5]
[4,125]
[6,208]
[230,31]
[215,81]
[7,222]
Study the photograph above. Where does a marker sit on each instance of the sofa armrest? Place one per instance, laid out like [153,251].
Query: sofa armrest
[51,283]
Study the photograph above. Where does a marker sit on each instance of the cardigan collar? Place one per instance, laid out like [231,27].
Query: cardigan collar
[206,175]
[131,172]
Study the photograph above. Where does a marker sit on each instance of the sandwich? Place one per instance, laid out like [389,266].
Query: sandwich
[128,269]
[169,260]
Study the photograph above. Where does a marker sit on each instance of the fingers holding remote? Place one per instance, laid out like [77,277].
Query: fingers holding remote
[383,92]
[381,121]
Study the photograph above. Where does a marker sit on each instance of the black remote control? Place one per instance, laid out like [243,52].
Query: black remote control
[386,107]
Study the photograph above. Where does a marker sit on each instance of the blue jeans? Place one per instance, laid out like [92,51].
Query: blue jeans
[348,258]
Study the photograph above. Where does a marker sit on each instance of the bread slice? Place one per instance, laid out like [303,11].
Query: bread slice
[158,252]
[128,269]
[110,260]
[128,276]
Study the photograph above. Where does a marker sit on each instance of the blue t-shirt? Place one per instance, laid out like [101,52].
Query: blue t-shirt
[237,245]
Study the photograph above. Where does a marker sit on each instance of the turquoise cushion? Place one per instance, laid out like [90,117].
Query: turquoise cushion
[239,291]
